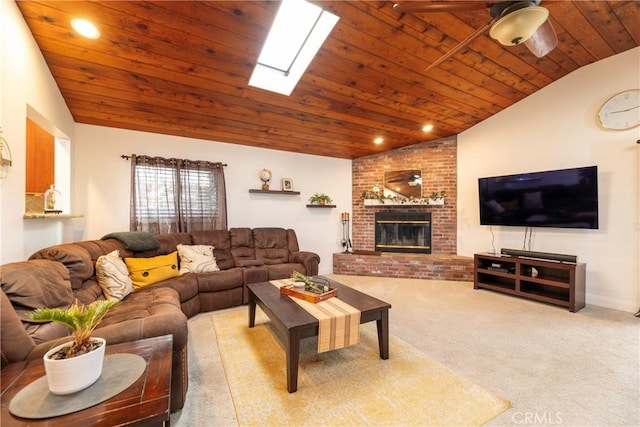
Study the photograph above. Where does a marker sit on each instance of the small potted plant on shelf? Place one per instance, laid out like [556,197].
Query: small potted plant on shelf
[320,199]
[75,365]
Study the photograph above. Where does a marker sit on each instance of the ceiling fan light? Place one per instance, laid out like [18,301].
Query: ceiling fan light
[517,26]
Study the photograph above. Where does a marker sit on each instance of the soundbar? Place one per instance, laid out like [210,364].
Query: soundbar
[540,255]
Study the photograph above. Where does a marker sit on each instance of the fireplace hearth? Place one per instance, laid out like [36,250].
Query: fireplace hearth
[403,232]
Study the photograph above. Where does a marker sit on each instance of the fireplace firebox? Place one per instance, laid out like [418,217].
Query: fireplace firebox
[403,232]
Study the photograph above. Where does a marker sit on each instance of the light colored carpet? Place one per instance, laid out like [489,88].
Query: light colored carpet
[345,387]
[557,368]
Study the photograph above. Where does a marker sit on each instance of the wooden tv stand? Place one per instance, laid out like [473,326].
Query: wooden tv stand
[557,283]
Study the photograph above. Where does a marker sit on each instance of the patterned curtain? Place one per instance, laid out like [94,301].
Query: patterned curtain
[177,195]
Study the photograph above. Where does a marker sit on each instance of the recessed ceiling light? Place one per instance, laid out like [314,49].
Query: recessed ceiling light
[427,128]
[378,140]
[85,28]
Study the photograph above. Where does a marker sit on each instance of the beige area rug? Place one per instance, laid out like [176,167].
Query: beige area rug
[350,386]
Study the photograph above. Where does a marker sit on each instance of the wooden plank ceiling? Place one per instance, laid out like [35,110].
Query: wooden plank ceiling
[181,68]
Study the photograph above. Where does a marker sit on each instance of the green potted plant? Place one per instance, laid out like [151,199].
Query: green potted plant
[320,199]
[75,365]
[437,198]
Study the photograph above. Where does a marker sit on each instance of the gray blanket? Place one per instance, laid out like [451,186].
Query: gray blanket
[135,241]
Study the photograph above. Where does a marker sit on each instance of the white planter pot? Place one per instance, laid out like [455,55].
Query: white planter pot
[71,375]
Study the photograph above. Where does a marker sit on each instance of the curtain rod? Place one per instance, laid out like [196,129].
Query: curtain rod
[127,157]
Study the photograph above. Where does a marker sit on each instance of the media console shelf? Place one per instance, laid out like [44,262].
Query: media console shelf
[552,282]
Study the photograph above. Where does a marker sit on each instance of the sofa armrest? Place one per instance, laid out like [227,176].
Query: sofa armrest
[310,261]
[131,330]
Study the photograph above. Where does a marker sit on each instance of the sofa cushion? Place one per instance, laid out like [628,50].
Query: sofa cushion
[147,271]
[196,259]
[168,243]
[271,245]
[242,245]
[15,343]
[156,312]
[283,271]
[37,284]
[220,280]
[221,242]
[89,291]
[74,257]
[97,248]
[113,276]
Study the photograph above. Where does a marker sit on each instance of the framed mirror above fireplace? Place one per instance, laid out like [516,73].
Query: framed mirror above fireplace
[403,183]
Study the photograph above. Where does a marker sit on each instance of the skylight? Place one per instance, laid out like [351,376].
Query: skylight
[297,33]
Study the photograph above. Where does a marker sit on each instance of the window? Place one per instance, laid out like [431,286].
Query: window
[297,33]
[174,195]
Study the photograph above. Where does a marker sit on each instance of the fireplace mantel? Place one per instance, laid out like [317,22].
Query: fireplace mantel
[423,202]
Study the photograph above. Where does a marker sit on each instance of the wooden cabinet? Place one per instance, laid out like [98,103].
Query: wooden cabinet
[40,155]
[552,282]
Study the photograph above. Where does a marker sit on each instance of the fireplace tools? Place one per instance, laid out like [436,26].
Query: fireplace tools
[346,240]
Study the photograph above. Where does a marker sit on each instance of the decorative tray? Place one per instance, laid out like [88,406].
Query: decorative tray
[313,297]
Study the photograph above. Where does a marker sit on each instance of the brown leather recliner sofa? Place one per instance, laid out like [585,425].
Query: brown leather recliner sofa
[58,275]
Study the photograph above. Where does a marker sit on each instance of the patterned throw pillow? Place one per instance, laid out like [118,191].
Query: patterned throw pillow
[113,276]
[196,259]
[147,271]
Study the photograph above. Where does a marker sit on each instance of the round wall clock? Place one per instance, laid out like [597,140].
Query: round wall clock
[621,111]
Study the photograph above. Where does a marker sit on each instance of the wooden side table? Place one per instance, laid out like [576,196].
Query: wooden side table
[144,403]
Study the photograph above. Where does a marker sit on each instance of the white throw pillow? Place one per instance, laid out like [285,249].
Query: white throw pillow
[113,276]
[196,259]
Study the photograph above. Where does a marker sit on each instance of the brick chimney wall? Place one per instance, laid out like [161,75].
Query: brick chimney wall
[437,161]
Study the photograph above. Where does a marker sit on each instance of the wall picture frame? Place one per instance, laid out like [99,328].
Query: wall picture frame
[287,184]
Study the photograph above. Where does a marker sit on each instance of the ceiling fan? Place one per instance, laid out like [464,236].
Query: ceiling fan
[511,23]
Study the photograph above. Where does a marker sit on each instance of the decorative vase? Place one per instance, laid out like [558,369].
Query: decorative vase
[52,199]
[66,376]
[322,202]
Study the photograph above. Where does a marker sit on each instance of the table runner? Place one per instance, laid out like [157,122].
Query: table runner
[338,322]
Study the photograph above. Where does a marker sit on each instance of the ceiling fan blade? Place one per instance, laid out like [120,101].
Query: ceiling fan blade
[543,41]
[442,6]
[462,45]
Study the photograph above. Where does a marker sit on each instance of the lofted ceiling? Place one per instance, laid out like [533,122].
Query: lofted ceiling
[181,68]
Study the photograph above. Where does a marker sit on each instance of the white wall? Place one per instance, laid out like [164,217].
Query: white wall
[25,83]
[556,128]
[102,181]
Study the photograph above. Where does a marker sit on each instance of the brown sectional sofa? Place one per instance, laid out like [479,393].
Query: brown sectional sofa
[57,275]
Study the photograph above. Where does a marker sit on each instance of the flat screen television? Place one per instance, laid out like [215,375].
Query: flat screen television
[565,198]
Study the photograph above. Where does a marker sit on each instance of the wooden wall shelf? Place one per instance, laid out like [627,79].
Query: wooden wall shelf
[289,193]
[321,206]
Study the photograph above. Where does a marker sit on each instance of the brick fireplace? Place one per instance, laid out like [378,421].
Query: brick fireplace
[437,162]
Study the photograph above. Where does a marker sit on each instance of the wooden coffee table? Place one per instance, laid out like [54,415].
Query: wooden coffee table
[292,323]
[144,403]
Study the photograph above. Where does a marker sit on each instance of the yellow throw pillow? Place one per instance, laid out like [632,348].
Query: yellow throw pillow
[146,271]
